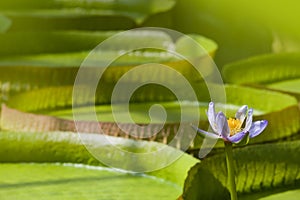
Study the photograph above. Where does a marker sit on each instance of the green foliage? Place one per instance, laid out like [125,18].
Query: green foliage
[260,170]
[263,69]
[289,86]
[30,42]
[23,73]
[70,19]
[201,184]
[280,110]
[279,72]
[66,147]
[67,181]
[95,15]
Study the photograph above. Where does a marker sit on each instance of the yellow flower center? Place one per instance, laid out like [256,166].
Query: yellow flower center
[234,126]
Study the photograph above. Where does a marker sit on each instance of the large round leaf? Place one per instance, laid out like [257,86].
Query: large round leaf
[275,71]
[261,170]
[280,110]
[67,181]
[55,42]
[66,147]
[105,14]
[23,73]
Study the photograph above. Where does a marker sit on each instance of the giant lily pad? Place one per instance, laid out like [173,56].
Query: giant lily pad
[52,42]
[54,104]
[275,71]
[262,171]
[67,11]
[66,181]
[66,147]
[22,73]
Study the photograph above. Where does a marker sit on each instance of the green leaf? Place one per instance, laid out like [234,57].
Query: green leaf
[23,73]
[77,41]
[64,9]
[275,194]
[66,147]
[260,170]
[279,72]
[202,185]
[279,109]
[263,69]
[207,46]
[290,86]
[26,43]
[15,120]
[71,19]
[68,181]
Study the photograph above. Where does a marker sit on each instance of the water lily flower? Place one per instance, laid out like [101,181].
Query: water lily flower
[232,129]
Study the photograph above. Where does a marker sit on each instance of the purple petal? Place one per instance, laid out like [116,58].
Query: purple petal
[211,115]
[241,113]
[206,134]
[249,120]
[237,137]
[222,125]
[257,127]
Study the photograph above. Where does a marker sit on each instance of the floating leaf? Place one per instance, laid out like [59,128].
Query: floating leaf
[165,133]
[201,184]
[260,170]
[45,181]
[67,11]
[263,69]
[70,19]
[275,71]
[289,86]
[280,110]
[23,73]
[26,43]
[56,42]
[65,147]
